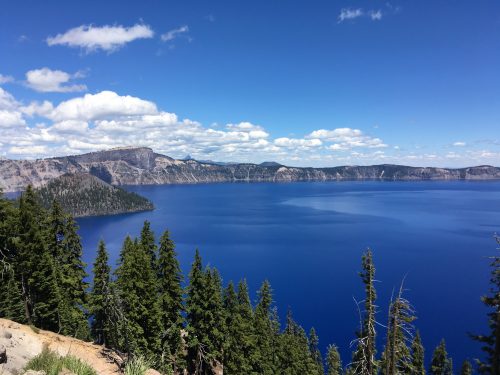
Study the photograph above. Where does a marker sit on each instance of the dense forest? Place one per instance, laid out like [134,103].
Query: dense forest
[82,194]
[142,308]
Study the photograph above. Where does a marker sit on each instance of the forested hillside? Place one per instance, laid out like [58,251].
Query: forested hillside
[82,194]
[141,308]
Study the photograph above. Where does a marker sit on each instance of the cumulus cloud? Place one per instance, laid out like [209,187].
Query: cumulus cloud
[108,38]
[346,138]
[107,119]
[459,144]
[5,79]
[47,80]
[101,105]
[172,34]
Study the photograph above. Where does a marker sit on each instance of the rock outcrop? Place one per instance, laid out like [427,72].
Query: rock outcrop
[142,166]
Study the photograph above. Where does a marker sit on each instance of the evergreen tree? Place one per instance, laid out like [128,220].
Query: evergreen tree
[441,364]
[315,352]
[397,358]
[171,300]
[35,266]
[231,353]
[66,249]
[205,319]
[294,355]
[491,341]
[137,289]
[147,241]
[99,298]
[266,333]
[466,368]
[364,361]
[333,361]
[417,356]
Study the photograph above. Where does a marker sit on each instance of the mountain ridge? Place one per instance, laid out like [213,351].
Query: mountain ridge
[143,166]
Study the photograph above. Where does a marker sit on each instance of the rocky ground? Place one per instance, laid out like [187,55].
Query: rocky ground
[21,343]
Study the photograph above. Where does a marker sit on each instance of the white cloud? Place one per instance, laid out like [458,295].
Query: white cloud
[101,105]
[6,79]
[459,144]
[172,34]
[47,80]
[108,38]
[376,15]
[346,138]
[349,14]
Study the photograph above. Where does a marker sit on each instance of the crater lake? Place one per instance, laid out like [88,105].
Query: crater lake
[307,239]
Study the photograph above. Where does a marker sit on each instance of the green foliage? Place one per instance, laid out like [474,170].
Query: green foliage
[171,301]
[441,364]
[100,302]
[491,341]
[137,289]
[53,364]
[364,361]
[417,356]
[333,361]
[397,358]
[138,365]
[86,195]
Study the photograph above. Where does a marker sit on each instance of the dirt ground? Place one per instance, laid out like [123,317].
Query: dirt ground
[23,343]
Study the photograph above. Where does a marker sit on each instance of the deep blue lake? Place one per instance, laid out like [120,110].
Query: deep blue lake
[307,240]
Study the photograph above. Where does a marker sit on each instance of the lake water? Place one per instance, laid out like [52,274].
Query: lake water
[308,238]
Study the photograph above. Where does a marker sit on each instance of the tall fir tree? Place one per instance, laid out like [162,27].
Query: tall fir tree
[491,341]
[441,364]
[66,248]
[205,319]
[137,288]
[99,299]
[35,266]
[364,358]
[315,352]
[417,356]
[333,361]
[397,356]
[266,333]
[147,241]
[171,301]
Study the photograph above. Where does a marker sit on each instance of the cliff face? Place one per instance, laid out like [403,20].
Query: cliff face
[142,166]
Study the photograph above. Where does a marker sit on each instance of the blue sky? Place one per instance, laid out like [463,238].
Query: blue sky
[307,83]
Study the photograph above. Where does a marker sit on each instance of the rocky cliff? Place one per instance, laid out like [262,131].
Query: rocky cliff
[142,166]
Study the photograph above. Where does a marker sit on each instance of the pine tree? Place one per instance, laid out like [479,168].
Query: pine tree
[66,249]
[100,298]
[35,266]
[417,356]
[266,333]
[364,361]
[137,288]
[205,319]
[466,368]
[333,361]
[491,341]
[397,358]
[294,355]
[11,301]
[171,300]
[441,364]
[315,352]
[147,241]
